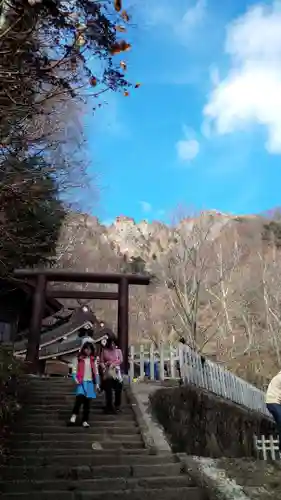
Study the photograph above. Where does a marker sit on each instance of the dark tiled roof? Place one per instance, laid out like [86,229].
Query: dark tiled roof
[60,348]
[76,321]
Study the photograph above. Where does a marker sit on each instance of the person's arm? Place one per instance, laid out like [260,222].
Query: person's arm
[74,370]
[96,373]
[105,362]
[102,365]
[119,357]
[277,386]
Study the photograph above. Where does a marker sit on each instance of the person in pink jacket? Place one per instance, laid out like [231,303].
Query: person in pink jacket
[111,360]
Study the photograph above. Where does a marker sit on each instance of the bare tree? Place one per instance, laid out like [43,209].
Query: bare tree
[187,273]
[150,315]
[83,246]
[271,278]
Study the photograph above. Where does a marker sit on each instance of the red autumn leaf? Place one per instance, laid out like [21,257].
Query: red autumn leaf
[126,93]
[118,5]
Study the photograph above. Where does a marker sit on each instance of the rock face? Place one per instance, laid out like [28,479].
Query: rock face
[127,237]
[203,424]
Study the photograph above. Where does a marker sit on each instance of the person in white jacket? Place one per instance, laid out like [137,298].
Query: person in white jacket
[273,402]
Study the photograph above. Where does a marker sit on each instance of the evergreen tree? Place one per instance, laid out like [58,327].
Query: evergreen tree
[31,213]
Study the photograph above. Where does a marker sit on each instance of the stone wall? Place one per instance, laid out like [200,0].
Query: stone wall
[11,389]
[200,423]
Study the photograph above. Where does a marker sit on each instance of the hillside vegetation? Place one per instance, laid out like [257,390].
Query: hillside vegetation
[216,281]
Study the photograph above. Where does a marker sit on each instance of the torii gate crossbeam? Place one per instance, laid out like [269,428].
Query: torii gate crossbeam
[41,278]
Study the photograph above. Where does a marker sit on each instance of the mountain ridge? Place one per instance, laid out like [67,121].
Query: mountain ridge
[216,281]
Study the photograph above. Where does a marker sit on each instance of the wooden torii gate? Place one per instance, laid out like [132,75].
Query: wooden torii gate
[41,277]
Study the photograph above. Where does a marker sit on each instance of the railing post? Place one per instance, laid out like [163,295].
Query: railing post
[132,363]
[162,361]
[141,362]
[39,299]
[151,363]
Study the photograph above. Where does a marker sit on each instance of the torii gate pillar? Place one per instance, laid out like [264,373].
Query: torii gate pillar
[123,321]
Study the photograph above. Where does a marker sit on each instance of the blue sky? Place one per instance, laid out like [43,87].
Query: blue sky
[204,129]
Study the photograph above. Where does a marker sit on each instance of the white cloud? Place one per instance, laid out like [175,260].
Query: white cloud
[194,15]
[251,92]
[146,207]
[180,23]
[187,148]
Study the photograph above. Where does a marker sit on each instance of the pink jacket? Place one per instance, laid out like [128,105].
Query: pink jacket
[111,357]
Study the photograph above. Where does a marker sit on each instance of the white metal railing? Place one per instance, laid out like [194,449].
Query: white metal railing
[267,448]
[168,362]
[155,364]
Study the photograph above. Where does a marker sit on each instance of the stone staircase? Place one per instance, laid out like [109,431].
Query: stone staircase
[52,461]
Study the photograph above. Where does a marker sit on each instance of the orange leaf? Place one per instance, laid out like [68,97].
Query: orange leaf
[118,5]
[123,65]
[125,16]
[80,41]
[93,81]
[120,47]
[137,85]
[126,46]
[121,29]
[126,93]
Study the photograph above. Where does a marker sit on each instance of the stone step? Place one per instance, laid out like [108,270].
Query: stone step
[46,391]
[64,416]
[53,434]
[184,493]
[68,400]
[38,424]
[63,423]
[58,446]
[57,394]
[52,431]
[44,383]
[99,420]
[64,405]
[85,472]
[101,484]
[90,458]
[55,409]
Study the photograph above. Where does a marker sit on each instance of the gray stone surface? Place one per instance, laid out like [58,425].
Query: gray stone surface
[153,434]
[50,460]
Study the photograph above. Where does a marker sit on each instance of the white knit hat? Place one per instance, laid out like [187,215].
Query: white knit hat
[86,340]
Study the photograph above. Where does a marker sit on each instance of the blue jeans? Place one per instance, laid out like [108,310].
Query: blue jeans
[275,410]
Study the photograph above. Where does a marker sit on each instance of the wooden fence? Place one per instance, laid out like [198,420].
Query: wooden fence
[170,362]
